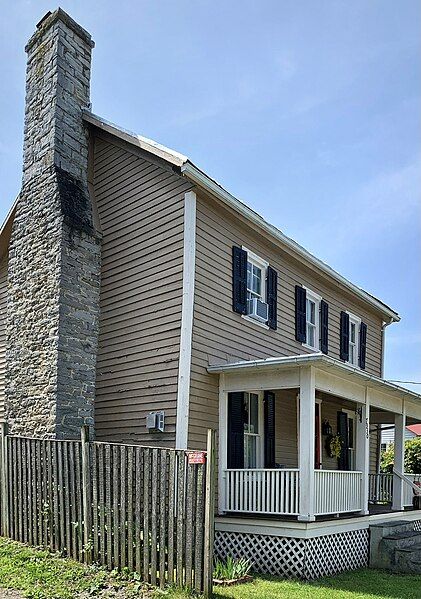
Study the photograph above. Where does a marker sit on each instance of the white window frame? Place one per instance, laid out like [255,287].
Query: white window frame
[357,322]
[260,435]
[263,265]
[316,299]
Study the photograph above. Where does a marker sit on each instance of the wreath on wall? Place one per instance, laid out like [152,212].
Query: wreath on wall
[334,446]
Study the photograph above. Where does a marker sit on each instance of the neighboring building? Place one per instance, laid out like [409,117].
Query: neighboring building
[132,283]
[388,434]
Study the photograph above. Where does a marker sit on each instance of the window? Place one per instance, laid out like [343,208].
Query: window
[252,418]
[354,333]
[312,319]
[256,289]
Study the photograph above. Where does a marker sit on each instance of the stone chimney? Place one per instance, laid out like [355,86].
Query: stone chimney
[54,254]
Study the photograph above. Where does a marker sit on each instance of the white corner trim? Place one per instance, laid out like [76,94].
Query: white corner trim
[186,335]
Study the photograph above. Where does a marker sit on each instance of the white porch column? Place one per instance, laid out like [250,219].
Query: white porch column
[362,458]
[400,421]
[306,444]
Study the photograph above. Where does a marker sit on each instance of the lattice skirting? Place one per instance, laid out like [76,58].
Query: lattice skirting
[297,558]
[417,525]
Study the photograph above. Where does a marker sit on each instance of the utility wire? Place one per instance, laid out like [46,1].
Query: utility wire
[406,382]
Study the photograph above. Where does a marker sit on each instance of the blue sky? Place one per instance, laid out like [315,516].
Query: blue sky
[308,110]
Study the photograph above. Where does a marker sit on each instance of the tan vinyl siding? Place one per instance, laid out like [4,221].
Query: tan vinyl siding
[3,311]
[220,335]
[140,205]
[374,448]
[286,435]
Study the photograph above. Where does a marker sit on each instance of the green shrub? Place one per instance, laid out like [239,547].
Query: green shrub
[231,569]
[412,457]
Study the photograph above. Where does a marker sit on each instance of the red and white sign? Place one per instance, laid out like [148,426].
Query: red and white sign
[197,457]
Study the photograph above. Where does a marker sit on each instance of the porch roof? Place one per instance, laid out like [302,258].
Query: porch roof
[321,362]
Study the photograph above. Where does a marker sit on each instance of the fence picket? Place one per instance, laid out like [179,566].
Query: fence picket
[146,507]
[125,506]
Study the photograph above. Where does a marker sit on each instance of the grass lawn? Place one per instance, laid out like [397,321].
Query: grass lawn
[361,584]
[41,575]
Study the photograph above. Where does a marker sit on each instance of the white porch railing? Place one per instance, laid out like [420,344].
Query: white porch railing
[271,491]
[380,488]
[337,491]
[408,492]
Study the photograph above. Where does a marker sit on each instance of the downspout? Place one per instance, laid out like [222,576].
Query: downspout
[384,325]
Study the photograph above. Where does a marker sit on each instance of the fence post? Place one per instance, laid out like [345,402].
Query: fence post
[4,482]
[86,494]
[209,515]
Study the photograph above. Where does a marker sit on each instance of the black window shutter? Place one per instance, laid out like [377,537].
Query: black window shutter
[343,460]
[235,458]
[363,345]
[324,327]
[269,428]
[300,314]
[344,341]
[239,280]
[271,296]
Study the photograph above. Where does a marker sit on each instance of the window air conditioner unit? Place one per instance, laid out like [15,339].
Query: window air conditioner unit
[155,422]
[258,309]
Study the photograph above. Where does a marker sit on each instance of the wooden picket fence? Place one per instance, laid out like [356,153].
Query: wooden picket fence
[147,509]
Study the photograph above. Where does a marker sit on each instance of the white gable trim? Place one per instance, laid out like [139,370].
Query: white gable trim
[184,367]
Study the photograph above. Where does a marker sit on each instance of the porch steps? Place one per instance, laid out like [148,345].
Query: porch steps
[395,547]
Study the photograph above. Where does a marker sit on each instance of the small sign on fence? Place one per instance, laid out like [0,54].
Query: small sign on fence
[196,457]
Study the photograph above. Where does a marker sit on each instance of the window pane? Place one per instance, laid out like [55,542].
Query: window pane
[311,335]
[352,332]
[254,413]
[246,412]
[311,311]
[250,452]
[257,280]
[352,353]
[249,277]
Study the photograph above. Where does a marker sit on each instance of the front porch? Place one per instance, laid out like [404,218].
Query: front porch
[276,417]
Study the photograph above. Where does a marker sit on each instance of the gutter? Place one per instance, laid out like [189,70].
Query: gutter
[200,178]
[310,359]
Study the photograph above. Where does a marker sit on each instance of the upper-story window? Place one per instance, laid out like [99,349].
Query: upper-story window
[256,279]
[354,333]
[254,288]
[312,319]
[353,340]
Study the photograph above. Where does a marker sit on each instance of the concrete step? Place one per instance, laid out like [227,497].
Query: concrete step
[408,560]
[382,554]
[401,540]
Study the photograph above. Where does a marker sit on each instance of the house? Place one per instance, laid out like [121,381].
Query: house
[388,435]
[143,299]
